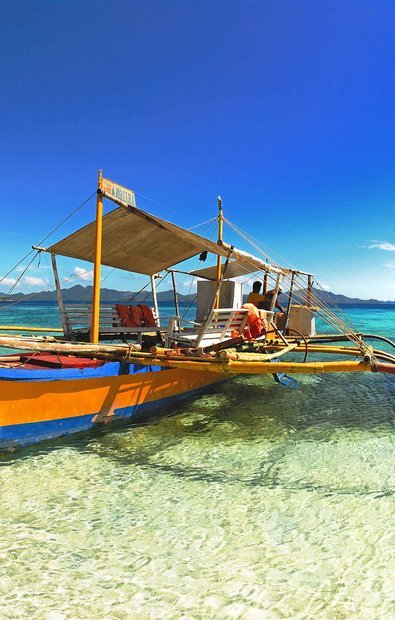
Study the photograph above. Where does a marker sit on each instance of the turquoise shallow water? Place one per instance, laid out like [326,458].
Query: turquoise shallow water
[252,501]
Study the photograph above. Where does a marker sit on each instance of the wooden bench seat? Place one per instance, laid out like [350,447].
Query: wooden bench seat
[77,318]
[218,326]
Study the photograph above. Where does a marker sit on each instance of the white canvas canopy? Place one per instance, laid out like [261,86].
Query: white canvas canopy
[139,242]
[233,270]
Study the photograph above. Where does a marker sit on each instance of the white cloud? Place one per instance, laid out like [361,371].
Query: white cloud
[28,281]
[384,245]
[33,281]
[7,281]
[390,265]
[326,287]
[83,274]
[191,283]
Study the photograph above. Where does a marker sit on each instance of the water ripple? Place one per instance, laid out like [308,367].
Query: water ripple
[252,502]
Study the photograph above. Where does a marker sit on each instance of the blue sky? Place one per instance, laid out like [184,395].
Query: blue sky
[284,108]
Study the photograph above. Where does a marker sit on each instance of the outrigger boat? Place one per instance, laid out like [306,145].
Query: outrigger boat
[116,363]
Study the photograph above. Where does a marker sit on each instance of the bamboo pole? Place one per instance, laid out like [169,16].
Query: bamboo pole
[289,299]
[219,259]
[309,289]
[30,328]
[265,283]
[124,352]
[175,294]
[94,334]
[59,297]
[155,299]
[262,368]
[70,348]
[277,288]
[244,365]
[387,368]
[255,357]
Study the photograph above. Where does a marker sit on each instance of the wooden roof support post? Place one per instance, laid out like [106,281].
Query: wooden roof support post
[265,282]
[94,334]
[277,287]
[290,298]
[63,318]
[310,282]
[219,259]
[175,294]
[154,297]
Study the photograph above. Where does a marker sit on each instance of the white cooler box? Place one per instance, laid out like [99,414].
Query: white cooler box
[302,319]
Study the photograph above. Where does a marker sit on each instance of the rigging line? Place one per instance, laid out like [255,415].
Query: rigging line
[15,266]
[263,248]
[188,305]
[338,307]
[157,287]
[138,292]
[17,280]
[340,323]
[75,276]
[345,322]
[161,204]
[67,218]
[106,276]
[49,234]
[334,318]
[249,237]
[325,310]
[211,221]
[53,287]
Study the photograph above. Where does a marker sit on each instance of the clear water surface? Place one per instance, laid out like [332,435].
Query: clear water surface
[252,501]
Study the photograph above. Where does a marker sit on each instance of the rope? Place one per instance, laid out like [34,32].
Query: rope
[329,315]
[318,300]
[67,218]
[17,280]
[189,305]
[39,243]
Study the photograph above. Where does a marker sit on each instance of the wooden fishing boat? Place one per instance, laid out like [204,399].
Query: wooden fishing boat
[116,363]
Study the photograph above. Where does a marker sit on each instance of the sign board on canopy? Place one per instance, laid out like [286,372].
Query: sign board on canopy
[122,193]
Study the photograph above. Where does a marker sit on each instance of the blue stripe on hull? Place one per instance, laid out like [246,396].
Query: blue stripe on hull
[109,369]
[19,435]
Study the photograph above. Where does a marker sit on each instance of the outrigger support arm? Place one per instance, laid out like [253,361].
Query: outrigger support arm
[193,361]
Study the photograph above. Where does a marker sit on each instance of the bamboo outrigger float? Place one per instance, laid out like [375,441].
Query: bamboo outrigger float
[57,385]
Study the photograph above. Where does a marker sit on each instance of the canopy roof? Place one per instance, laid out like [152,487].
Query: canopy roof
[233,270]
[139,242]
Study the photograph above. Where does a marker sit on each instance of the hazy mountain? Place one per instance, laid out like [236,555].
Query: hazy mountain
[79,293]
[334,300]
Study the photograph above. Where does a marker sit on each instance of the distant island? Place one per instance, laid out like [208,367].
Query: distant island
[83,294]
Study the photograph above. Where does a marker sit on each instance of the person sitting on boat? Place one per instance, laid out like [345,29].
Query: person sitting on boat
[263,302]
[280,317]
[255,296]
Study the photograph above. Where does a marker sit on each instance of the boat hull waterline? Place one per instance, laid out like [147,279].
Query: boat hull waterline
[42,404]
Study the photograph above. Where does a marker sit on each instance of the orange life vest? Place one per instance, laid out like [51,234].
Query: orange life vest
[257,324]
